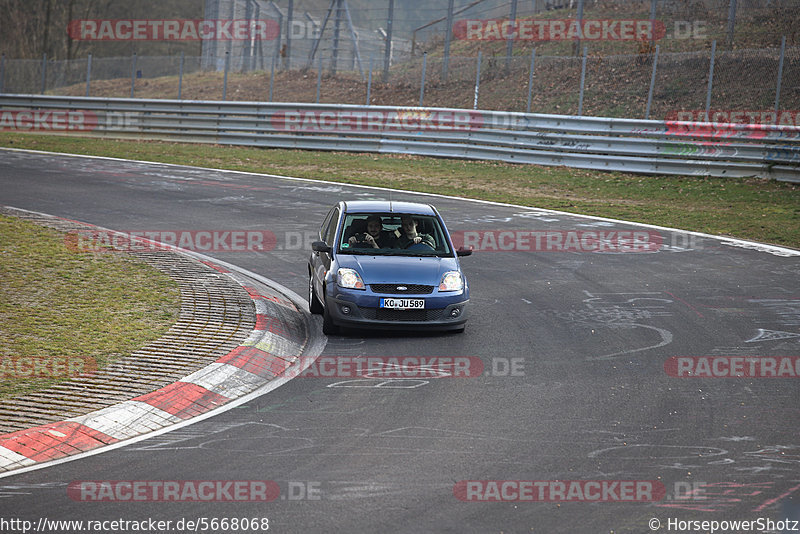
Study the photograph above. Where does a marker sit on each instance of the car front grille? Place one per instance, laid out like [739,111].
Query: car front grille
[385,314]
[411,289]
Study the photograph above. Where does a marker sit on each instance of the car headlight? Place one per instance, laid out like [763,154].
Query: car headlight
[451,281]
[349,278]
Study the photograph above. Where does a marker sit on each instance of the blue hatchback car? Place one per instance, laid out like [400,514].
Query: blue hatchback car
[390,265]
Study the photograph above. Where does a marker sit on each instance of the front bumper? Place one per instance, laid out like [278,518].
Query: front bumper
[442,312]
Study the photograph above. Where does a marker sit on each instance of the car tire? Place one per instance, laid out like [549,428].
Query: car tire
[314,305]
[328,328]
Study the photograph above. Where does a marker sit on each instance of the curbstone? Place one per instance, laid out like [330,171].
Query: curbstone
[276,336]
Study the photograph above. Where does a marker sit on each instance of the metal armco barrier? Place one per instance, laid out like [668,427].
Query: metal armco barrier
[629,145]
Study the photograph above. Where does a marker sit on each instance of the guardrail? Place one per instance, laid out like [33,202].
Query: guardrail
[629,145]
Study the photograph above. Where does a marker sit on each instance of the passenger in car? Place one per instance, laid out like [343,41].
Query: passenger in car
[375,236]
[410,236]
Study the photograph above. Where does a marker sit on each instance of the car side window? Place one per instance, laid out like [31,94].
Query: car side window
[330,231]
[323,228]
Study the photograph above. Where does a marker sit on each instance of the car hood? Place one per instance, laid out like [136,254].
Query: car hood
[399,269]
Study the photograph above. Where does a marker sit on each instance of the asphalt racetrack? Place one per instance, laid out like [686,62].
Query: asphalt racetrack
[577,414]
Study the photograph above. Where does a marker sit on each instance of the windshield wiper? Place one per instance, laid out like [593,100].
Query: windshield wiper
[363,252]
[420,254]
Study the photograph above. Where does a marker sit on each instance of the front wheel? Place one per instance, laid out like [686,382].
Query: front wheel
[328,328]
[314,305]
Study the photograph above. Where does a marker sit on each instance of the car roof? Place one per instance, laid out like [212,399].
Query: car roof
[387,206]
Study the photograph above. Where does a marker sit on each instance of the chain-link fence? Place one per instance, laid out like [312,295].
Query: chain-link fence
[682,25]
[301,37]
[353,30]
[656,85]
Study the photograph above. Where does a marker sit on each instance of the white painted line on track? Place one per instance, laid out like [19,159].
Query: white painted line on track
[736,242]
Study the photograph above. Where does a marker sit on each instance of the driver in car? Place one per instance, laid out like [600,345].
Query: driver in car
[375,236]
[410,236]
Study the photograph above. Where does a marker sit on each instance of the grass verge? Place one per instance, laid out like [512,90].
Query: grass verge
[761,210]
[63,312]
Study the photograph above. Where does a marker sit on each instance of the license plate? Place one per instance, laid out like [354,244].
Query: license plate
[403,304]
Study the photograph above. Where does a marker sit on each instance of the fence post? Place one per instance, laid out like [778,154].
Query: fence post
[710,78]
[249,44]
[180,78]
[88,73]
[387,49]
[652,21]
[276,52]
[354,39]
[369,80]
[583,80]
[287,60]
[319,75]
[652,85]
[422,82]
[731,21]
[580,25]
[44,71]
[258,49]
[133,73]
[225,76]
[510,40]
[530,80]
[780,76]
[337,22]
[271,78]
[477,81]
[447,38]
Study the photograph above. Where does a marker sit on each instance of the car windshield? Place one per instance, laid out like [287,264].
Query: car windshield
[393,234]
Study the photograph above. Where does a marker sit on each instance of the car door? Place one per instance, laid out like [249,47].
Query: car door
[321,261]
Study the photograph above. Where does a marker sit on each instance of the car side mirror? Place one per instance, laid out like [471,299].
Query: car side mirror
[464,251]
[320,246]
